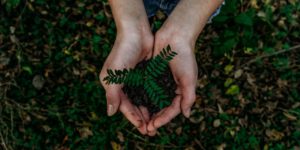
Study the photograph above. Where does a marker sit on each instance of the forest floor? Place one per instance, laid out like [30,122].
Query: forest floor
[51,52]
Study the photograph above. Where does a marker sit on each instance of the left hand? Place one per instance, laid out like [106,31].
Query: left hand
[181,31]
[184,70]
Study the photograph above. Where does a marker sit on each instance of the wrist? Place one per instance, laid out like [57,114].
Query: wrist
[129,15]
[178,33]
[191,16]
[137,39]
[134,28]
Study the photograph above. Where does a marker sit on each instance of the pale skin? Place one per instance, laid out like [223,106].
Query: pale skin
[135,42]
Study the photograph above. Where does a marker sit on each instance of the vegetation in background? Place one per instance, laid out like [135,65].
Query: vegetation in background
[51,52]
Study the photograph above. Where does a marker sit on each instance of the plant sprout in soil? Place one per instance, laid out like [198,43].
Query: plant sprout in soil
[150,83]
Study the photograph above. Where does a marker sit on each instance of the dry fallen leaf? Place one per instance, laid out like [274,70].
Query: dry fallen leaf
[189,148]
[221,147]
[289,116]
[293,2]
[254,4]
[4,61]
[46,128]
[238,73]
[38,82]
[250,79]
[261,14]
[120,136]
[202,126]
[195,118]
[85,132]
[217,123]
[274,135]
[14,39]
[282,83]
[220,110]
[115,146]
[296,148]
[296,105]
[12,29]
[178,130]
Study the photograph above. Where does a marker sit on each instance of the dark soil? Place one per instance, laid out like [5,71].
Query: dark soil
[138,95]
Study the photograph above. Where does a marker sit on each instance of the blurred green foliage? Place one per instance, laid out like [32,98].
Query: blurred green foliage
[248,87]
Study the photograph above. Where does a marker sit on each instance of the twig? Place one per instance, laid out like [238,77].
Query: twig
[139,137]
[11,122]
[199,144]
[143,141]
[288,111]
[2,46]
[3,142]
[157,145]
[21,14]
[272,54]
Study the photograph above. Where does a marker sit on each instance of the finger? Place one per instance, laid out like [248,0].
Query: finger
[150,127]
[178,91]
[143,128]
[145,113]
[172,111]
[113,99]
[130,113]
[189,98]
[148,57]
[152,133]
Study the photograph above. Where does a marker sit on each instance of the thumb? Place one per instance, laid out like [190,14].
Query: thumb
[189,97]
[113,100]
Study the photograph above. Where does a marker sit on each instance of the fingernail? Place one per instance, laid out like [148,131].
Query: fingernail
[110,110]
[187,113]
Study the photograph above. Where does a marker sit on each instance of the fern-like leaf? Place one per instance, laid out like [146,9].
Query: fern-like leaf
[131,77]
[154,91]
[159,63]
[146,76]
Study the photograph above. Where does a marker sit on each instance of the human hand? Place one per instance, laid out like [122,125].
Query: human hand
[184,70]
[134,42]
[181,31]
[127,51]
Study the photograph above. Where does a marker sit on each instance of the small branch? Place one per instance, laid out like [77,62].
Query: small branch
[158,145]
[3,142]
[199,144]
[272,54]
[4,45]
[135,135]
[145,142]
[21,14]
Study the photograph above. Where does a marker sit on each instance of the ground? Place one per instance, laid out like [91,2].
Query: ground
[51,52]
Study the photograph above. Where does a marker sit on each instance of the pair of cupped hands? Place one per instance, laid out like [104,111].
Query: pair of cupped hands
[136,43]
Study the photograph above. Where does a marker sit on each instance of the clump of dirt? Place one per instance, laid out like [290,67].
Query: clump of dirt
[139,97]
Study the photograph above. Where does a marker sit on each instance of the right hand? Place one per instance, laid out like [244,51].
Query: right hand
[130,48]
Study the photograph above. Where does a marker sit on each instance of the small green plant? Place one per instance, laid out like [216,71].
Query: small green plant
[145,77]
